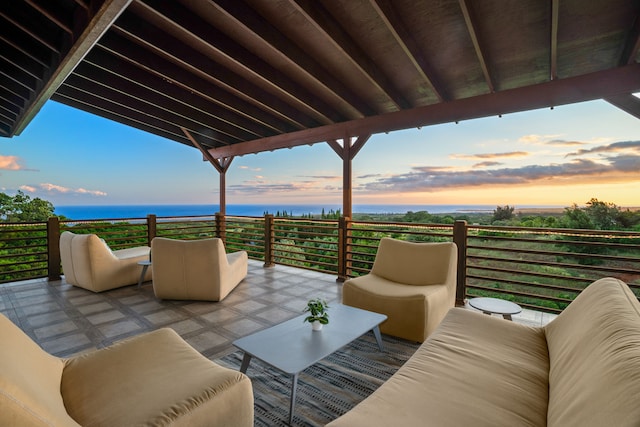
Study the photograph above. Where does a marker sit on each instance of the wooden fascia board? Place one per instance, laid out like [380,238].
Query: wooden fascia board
[587,87]
[98,25]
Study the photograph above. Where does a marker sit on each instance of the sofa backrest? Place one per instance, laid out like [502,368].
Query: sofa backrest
[594,357]
[80,254]
[415,263]
[30,382]
[196,266]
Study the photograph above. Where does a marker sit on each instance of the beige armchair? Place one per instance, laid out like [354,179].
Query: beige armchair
[89,263]
[195,269]
[152,379]
[414,284]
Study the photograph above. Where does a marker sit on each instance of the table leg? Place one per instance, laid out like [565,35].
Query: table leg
[376,333]
[245,363]
[507,316]
[144,271]
[294,388]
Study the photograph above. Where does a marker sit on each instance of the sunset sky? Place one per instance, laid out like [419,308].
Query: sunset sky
[543,157]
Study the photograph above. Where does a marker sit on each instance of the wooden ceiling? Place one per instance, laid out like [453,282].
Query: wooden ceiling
[245,76]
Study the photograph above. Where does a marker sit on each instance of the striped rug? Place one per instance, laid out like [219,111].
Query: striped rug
[327,389]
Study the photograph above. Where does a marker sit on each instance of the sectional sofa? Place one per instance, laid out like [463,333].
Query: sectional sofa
[581,369]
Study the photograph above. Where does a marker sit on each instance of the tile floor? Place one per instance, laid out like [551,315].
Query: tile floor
[66,320]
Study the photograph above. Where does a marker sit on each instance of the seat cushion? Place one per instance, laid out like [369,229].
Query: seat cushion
[594,350]
[474,370]
[155,379]
[413,312]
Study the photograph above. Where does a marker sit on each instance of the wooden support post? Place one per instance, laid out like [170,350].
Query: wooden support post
[151,228]
[221,165]
[54,261]
[221,227]
[460,239]
[269,241]
[347,151]
[343,248]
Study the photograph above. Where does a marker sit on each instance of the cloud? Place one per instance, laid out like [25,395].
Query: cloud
[537,139]
[11,163]
[53,188]
[564,143]
[429,179]
[248,168]
[616,147]
[487,164]
[490,155]
[28,188]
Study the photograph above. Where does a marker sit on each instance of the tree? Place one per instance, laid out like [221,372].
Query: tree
[503,213]
[22,208]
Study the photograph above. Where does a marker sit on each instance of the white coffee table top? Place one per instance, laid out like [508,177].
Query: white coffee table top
[495,305]
[293,346]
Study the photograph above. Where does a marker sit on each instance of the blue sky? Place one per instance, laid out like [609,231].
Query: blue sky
[543,157]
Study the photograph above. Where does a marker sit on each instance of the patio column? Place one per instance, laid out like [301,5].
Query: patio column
[347,151]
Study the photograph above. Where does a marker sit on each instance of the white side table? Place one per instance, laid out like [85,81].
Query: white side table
[145,265]
[495,306]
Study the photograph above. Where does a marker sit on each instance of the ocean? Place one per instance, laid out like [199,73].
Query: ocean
[79,212]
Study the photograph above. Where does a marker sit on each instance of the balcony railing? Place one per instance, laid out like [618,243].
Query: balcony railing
[539,268]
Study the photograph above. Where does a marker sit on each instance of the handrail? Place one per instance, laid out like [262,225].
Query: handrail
[539,268]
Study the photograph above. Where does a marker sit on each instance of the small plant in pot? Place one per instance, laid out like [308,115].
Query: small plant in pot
[318,316]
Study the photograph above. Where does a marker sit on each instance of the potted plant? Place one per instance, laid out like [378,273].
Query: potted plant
[318,316]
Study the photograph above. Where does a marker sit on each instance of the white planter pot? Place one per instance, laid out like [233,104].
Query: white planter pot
[316,326]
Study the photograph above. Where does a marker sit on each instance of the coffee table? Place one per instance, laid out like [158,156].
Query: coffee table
[292,346]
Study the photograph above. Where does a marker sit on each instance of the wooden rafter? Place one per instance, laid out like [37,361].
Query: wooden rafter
[265,35]
[407,43]
[256,70]
[470,20]
[632,46]
[118,47]
[553,58]
[319,17]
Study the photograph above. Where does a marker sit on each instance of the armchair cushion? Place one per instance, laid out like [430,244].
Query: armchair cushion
[195,269]
[414,284]
[88,262]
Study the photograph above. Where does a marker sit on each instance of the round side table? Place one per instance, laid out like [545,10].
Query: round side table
[495,306]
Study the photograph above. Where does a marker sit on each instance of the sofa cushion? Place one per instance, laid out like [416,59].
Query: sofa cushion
[594,352]
[181,387]
[29,382]
[473,370]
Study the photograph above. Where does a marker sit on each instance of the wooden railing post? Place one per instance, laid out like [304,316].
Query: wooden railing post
[221,228]
[269,241]
[343,248]
[460,239]
[151,228]
[53,248]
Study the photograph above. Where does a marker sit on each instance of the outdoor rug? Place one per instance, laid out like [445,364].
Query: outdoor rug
[327,389]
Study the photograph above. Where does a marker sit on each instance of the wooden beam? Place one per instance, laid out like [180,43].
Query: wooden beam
[470,20]
[627,103]
[98,25]
[587,87]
